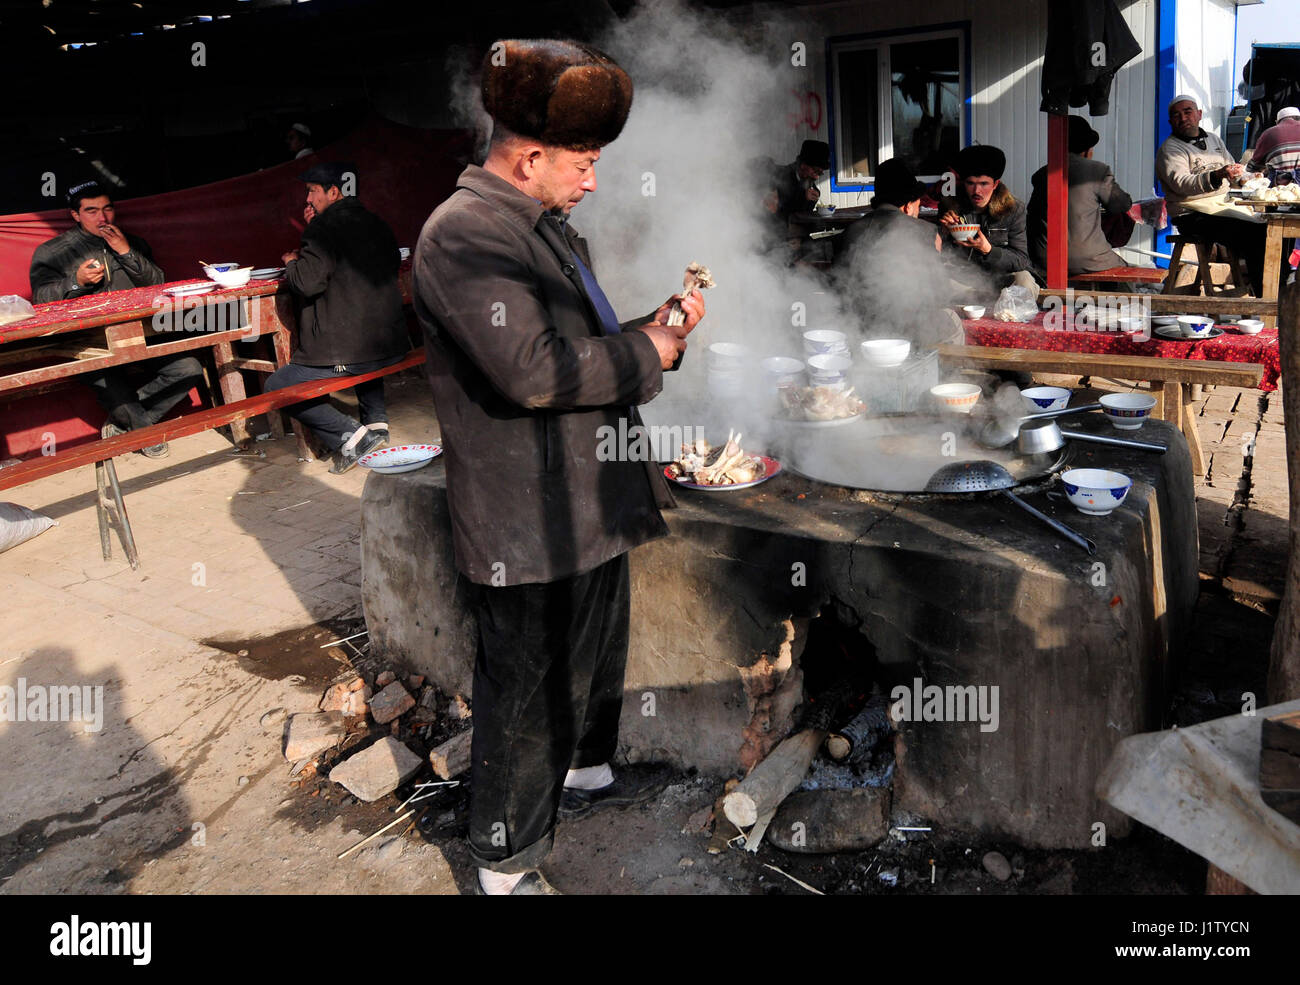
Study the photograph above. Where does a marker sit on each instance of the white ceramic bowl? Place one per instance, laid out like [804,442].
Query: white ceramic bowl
[964,232]
[1134,326]
[956,397]
[1095,491]
[1250,326]
[728,355]
[1044,398]
[828,365]
[1127,411]
[972,310]
[1195,326]
[886,352]
[824,340]
[782,366]
[229,274]
[825,211]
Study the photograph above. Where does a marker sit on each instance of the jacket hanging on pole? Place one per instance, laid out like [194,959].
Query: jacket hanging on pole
[1087,42]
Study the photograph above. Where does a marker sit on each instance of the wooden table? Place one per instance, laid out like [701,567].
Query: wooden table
[70,338]
[1281,226]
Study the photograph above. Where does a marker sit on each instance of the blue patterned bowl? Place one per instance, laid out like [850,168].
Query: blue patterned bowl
[1095,491]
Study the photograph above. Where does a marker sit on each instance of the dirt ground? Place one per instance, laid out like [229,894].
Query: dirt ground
[184,790]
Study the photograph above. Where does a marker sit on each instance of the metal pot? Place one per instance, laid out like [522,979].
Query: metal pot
[1044,437]
[998,431]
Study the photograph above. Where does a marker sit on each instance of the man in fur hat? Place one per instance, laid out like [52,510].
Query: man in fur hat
[529,366]
[1000,247]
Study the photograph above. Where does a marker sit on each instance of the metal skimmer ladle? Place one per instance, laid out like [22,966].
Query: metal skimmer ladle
[986,476]
[1043,437]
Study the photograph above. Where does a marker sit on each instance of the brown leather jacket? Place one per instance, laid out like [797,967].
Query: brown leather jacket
[524,380]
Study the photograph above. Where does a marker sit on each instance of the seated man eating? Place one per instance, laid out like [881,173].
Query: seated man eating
[95,256]
[1000,247]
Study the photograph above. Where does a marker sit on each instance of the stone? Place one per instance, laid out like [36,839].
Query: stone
[415,681]
[384,679]
[356,684]
[308,734]
[996,865]
[334,698]
[458,708]
[273,721]
[392,701]
[819,822]
[377,770]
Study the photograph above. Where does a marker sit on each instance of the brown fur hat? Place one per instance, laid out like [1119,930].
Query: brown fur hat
[560,93]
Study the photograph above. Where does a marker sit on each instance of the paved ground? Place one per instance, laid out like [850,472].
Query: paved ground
[183,790]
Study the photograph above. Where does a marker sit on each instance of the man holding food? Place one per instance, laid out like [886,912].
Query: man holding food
[96,256]
[350,317]
[999,246]
[529,365]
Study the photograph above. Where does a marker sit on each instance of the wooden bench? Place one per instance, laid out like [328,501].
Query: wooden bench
[1173,399]
[1120,275]
[109,505]
[1204,283]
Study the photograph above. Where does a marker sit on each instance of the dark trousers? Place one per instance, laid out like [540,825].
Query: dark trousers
[548,692]
[131,407]
[331,424]
[1247,239]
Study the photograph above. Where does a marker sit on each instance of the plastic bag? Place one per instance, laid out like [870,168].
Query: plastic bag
[14,308]
[1015,303]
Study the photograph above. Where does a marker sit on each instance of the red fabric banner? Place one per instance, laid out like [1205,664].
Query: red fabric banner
[402,175]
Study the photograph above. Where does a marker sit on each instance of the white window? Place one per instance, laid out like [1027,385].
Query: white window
[902,96]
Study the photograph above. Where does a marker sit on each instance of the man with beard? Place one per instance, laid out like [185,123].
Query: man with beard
[1000,247]
[96,256]
[1195,168]
[529,365]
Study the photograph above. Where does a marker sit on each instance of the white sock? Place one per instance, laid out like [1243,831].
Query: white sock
[352,439]
[590,777]
[498,883]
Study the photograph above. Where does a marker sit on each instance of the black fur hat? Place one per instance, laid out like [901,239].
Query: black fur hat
[560,93]
[981,159]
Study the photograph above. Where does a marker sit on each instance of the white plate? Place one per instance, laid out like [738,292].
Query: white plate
[834,422]
[771,465]
[1167,332]
[189,290]
[266,273]
[400,458]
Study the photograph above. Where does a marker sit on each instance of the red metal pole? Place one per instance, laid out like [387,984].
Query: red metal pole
[1058,200]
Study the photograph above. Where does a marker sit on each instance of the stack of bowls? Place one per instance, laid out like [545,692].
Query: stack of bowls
[886,353]
[782,371]
[824,342]
[728,368]
[828,370]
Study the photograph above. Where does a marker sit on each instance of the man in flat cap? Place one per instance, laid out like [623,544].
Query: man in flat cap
[529,364]
[1094,193]
[96,256]
[1195,169]
[350,317]
[1000,246]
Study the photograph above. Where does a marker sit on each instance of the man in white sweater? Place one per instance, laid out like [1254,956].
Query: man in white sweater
[1195,169]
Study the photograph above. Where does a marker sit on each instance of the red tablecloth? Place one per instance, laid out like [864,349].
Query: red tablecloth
[1231,346]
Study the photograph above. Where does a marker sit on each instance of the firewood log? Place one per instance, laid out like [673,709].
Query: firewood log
[772,780]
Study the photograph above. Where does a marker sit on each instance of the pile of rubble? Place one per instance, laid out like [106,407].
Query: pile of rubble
[345,740]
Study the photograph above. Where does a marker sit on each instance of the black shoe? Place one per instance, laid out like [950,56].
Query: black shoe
[632,785]
[110,430]
[532,884]
[160,450]
[345,461]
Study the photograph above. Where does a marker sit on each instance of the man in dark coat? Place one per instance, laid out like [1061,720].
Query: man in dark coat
[999,247]
[529,366]
[96,256]
[795,188]
[1093,192]
[351,319]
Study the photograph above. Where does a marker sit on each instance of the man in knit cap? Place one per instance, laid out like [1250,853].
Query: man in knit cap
[529,365]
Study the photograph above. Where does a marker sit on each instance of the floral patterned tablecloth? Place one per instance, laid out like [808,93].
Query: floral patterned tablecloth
[1232,346]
